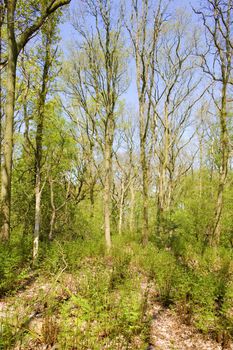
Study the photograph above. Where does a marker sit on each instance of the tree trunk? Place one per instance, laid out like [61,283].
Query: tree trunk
[163,185]
[39,143]
[160,199]
[52,222]
[6,170]
[144,167]
[216,231]
[201,168]
[107,191]
[132,206]
[145,185]
[109,132]
[37,216]
[121,208]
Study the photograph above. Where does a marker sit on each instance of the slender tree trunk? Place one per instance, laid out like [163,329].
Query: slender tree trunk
[144,167]
[145,185]
[216,232]
[201,168]
[38,190]
[160,199]
[53,215]
[121,207]
[39,143]
[6,170]
[107,184]
[52,222]
[132,209]
[163,185]
[37,216]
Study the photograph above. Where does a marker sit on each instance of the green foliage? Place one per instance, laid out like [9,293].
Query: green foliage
[108,307]
[15,260]
[99,294]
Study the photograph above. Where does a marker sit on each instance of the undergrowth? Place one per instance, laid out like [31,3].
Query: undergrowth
[99,303]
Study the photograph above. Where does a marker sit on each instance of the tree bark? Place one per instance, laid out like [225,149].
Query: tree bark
[224,142]
[132,208]
[163,183]
[121,207]
[53,216]
[108,185]
[52,222]
[38,190]
[37,216]
[145,185]
[39,143]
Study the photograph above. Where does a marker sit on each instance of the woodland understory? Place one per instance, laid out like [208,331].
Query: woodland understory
[116,134]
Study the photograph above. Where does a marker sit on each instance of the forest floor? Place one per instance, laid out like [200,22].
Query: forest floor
[169,332]
[32,327]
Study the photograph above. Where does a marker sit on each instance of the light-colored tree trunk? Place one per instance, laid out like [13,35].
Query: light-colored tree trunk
[107,188]
[53,215]
[121,207]
[37,217]
[201,167]
[145,186]
[143,158]
[52,222]
[132,209]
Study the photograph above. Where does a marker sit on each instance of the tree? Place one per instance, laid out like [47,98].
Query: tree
[17,38]
[47,60]
[217,63]
[144,29]
[97,82]
[173,100]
